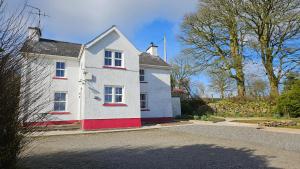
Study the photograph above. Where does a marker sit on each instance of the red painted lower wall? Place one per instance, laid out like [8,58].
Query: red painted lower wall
[46,123]
[93,124]
[157,119]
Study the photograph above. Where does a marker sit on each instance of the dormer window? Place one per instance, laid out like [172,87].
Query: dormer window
[113,59]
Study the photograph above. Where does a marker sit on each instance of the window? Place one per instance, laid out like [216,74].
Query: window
[107,58]
[60,69]
[118,59]
[60,101]
[113,94]
[142,75]
[115,60]
[108,94]
[118,94]
[143,99]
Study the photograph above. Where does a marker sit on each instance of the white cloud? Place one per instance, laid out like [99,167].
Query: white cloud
[87,18]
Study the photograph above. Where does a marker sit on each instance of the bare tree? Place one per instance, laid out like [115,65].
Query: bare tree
[22,85]
[274,28]
[215,36]
[257,87]
[182,70]
[221,82]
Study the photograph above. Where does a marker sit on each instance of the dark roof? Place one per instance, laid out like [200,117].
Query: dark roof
[148,59]
[53,47]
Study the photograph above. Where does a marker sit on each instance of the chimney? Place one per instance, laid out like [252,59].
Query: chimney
[34,34]
[152,49]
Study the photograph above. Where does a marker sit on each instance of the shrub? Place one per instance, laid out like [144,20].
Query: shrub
[243,108]
[195,106]
[288,104]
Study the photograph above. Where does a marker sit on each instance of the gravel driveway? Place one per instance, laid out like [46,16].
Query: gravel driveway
[194,146]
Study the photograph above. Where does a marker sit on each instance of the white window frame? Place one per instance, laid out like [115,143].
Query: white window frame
[108,94]
[113,100]
[121,59]
[66,101]
[65,72]
[146,101]
[113,58]
[142,75]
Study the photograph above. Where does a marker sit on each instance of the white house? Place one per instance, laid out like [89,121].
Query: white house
[105,83]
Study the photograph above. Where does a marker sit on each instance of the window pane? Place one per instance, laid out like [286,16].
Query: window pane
[118,62]
[58,65]
[107,61]
[62,65]
[142,78]
[108,54]
[142,96]
[118,55]
[108,90]
[60,97]
[143,104]
[118,98]
[108,98]
[56,106]
[62,106]
[118,90]
[142,71]
[58,73]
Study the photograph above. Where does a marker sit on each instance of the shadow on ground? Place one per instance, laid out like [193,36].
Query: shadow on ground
[191,157]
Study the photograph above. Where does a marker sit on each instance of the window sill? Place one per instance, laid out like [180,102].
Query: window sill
[114,104]
[143,82]
[113,67]
[60,78]
[145,109]
[59,112]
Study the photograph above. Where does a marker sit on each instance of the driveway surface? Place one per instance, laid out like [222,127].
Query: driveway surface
[193,146]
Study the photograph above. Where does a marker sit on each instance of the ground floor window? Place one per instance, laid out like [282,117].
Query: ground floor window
[144,101]
[113,94]
[60,101]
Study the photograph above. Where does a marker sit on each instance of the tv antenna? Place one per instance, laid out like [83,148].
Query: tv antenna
[39,13]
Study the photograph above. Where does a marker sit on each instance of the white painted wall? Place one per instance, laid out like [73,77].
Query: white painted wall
[129,79]
[158,91]
[50,85]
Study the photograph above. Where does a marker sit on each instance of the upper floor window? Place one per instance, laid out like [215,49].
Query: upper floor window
[60,101]
[118,59]
[107,58]
[113,94]
[60,69]
[142,75]
[113,60]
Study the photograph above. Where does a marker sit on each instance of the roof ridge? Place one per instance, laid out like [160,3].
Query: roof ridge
[60,41]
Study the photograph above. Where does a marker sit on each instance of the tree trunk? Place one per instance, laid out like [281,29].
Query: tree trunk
[237,61]
[267,59]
